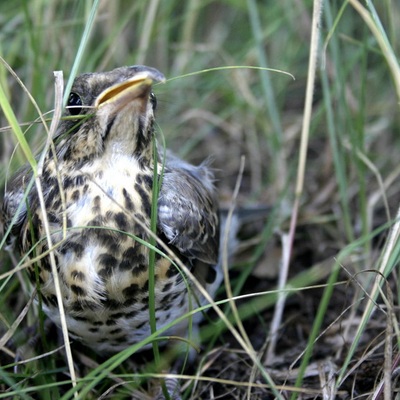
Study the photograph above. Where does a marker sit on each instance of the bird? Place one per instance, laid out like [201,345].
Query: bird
[97,183]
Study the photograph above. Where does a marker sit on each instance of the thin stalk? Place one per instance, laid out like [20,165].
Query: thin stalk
[266,84]
[81,49]
[152,261]
[312,66]
[147,29]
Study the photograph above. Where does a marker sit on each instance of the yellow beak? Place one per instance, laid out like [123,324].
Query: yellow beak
[122,93]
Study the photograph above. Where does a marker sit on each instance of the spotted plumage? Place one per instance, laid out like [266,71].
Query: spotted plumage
[98,182]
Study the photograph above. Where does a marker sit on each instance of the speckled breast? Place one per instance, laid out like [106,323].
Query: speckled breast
[102,264]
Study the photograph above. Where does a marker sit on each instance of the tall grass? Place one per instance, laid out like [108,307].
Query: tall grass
[341,292]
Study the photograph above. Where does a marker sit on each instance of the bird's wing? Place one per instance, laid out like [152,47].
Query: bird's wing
[13,203]
[187,210]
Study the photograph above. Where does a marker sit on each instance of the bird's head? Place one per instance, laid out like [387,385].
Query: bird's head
[109,113]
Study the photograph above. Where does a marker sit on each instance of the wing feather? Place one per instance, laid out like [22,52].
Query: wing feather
[188,210]
[13,203]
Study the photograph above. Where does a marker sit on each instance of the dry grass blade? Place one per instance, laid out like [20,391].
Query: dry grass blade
[280,304]
[148,25]
[321,154]
[59,83]
[385,385]
[8,335]
[225,258]
[312,67]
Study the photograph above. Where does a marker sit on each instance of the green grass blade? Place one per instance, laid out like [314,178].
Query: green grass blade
[12,120]
[82,48]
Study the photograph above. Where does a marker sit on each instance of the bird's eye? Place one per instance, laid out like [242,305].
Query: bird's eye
[153,100]
[75,103]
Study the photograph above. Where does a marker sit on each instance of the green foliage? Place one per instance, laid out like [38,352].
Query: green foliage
[351,187]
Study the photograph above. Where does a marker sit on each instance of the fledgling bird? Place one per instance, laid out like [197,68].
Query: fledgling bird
[100,178]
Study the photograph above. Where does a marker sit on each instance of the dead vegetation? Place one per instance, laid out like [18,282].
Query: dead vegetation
[327,330]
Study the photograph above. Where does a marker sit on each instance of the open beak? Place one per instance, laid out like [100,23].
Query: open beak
[135,87]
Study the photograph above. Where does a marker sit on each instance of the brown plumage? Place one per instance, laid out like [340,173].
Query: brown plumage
[104,161]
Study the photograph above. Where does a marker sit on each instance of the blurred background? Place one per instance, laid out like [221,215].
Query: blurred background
[214,104]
